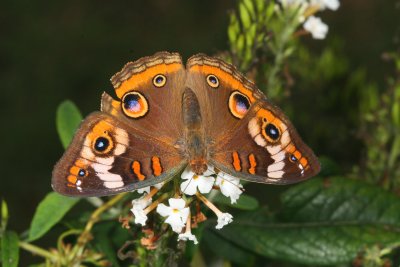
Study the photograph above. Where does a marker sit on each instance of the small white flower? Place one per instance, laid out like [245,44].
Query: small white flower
[176,213]
[223,219]
[138,206]
[230,186]
[188,236]
[203,183]
[316,27]
[329,4]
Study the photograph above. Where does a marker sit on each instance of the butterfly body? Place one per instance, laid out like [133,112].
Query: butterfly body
[168,116]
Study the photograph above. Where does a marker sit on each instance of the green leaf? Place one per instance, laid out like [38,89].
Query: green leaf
[222,248]
[68,120]
[244,202]
[4,216]
[49,212]
[9,249]
[323,222]
[245,16]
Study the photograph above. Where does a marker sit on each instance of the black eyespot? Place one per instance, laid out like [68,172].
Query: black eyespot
[242,103]
[292,158]
[82,173]
[134,105]
[131,102]
[212,81]
[272,131]
[101,144]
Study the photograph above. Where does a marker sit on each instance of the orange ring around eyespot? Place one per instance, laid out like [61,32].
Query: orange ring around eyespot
[134,105]
[237,110]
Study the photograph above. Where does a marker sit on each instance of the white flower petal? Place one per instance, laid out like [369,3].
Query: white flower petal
[188,236]
[138,206]
[224,219]
[205,184]
[144,190]
[316,27]
[177,203]
[187,173]
[175,220]
[184,213]
[159,185]
[189,187]
[230,186]
[163,210]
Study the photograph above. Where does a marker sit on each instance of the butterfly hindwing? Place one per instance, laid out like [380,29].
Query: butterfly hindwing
[108,156]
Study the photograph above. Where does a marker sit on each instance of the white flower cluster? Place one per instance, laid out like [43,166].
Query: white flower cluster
[177,214]
[313,25]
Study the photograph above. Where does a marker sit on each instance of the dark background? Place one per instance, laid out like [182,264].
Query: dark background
[56,50]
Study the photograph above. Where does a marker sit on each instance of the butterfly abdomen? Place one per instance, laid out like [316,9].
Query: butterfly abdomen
[196,150]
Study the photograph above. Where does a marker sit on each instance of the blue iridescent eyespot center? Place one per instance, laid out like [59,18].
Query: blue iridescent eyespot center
[293,158]
[82,173]
[271,131]
[132,103]
[159,79]
[242,103]
[101,144]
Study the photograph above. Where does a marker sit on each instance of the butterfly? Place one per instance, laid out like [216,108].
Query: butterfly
[168,116]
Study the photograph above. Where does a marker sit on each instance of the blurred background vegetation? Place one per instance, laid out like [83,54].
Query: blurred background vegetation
[56,50]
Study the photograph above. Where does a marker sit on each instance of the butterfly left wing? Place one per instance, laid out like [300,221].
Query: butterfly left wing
[108,156]
[248,137]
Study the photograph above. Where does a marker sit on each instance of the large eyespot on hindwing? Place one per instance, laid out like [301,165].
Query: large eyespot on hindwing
[159,80]
[270,131]
[238,104]
[134,105]
[103,144]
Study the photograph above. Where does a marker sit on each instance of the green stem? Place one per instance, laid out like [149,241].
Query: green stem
[85,235]
[38,251]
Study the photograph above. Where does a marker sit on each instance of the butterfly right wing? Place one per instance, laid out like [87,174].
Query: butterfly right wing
[108,156]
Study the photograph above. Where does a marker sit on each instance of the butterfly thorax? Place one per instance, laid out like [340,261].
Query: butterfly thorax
[195,144]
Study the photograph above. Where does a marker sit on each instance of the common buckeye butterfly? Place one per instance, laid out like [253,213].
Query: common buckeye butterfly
[168,116]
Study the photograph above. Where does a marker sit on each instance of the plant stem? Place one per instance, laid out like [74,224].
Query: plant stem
[85,235]
[38,251]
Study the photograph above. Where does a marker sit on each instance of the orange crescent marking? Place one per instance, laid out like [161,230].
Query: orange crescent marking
[136,170]
[303,161]
[236,161]
[72,179]
[147,75]
[297,154]
[156,164]
[225,77]
[253,164]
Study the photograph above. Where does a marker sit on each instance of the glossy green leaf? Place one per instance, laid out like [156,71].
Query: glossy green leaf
[220,247]
[68,120]
[49,212]
[9,249]
[245,202]
[323,222]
